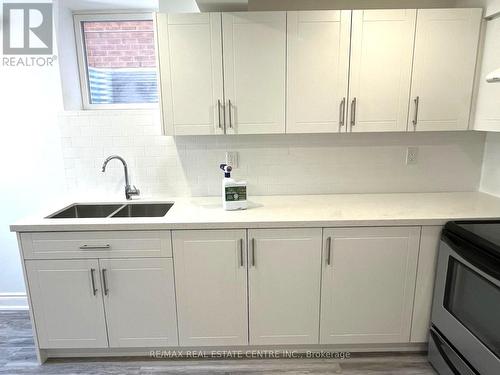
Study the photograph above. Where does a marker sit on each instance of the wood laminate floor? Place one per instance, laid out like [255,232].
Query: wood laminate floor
[17,356]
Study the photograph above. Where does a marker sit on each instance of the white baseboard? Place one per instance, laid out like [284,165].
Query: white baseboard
[13,301]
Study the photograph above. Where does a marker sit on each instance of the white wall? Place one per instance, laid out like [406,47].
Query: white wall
[490,178]
[491,6]
[273,164]
[30,159]
[68,64]
[487,95]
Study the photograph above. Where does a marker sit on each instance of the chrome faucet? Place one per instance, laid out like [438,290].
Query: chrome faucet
[129,190]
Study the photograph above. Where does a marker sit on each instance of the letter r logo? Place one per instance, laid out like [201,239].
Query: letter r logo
[27,29]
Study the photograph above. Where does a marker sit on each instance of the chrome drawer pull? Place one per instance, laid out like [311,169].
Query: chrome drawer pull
[218,112]
[94,290]
[329,251]
[242,264]
[253,252]
[95,247]
[342,112]
[230,115]
[353,112]
[415,116]
[105,282]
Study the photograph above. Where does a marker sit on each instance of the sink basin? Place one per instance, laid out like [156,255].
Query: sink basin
[144,210]
[85,211]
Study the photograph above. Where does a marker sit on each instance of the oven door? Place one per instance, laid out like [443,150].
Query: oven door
[466,309]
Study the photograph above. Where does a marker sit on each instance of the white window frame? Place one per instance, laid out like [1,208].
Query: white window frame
[82,60]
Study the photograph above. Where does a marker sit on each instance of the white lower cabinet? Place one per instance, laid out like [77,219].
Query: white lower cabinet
[67,303]
[139,298]
[237,287]
[368,284]
[284,285]
[138,306]
[211,285]
[424,286]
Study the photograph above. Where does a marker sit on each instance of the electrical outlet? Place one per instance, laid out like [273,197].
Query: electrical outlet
[232,159]
[412,155]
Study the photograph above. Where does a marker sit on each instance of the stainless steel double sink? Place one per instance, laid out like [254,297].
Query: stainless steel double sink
[98,210]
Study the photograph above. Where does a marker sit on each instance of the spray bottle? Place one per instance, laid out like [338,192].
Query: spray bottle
[234,193]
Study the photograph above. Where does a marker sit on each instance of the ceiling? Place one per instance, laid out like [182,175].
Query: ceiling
[222,5]
[109,4]
[162,5]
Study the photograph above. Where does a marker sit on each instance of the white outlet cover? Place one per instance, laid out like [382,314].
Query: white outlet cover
[412,155]
[232,159]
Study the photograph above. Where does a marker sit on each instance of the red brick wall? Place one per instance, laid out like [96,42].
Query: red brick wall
[120,44]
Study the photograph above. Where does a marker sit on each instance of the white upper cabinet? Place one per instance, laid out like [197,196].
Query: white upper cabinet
[329,71]
[211,287]
[139,298]
[284,285]
[443,68]
[368,284]
[487,116]
[190,55]
[380,75]
[317,70]
[254,45]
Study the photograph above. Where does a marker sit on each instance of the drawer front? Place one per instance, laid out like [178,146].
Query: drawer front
[108,244]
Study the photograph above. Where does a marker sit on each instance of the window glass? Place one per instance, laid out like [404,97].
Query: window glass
[121,61]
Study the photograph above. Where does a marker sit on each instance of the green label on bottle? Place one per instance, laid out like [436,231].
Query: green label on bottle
[236,193]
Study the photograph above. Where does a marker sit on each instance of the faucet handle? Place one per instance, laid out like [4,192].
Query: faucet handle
[130,191]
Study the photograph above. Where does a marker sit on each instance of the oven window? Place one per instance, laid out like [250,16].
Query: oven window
[475,302]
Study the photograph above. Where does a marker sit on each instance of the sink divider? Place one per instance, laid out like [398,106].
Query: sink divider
[115,211]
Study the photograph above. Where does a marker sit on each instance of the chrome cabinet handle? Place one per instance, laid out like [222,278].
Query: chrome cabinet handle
[353,112]
[342,112]
[218,113]
[329,251]
[95,247]
[92,272]
[242,263]
[415,116]
[253,252]
[104,282]
[229,113]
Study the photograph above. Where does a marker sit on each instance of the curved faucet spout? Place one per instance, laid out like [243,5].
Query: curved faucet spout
[129,190]
[125,168]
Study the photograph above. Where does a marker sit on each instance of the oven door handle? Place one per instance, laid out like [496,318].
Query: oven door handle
[456,364]
[485,262]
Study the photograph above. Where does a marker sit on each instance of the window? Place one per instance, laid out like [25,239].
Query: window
[117,60]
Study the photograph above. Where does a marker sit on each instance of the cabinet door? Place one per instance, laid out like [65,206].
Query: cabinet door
[254,71]
[284,286]
[317,70]
[430,239]
[67,303]
[190,52]
[487,116]
[368,284]
[443,69]
[211,286]
[139,299]
[380,76]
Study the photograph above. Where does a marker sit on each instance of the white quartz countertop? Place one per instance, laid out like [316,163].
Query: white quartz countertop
[291,211]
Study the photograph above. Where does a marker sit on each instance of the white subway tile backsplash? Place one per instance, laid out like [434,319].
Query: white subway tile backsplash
[272,164]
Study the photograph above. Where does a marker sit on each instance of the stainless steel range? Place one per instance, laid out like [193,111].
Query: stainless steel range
[465,332]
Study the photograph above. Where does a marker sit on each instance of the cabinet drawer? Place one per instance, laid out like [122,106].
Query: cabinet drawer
[109,244]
